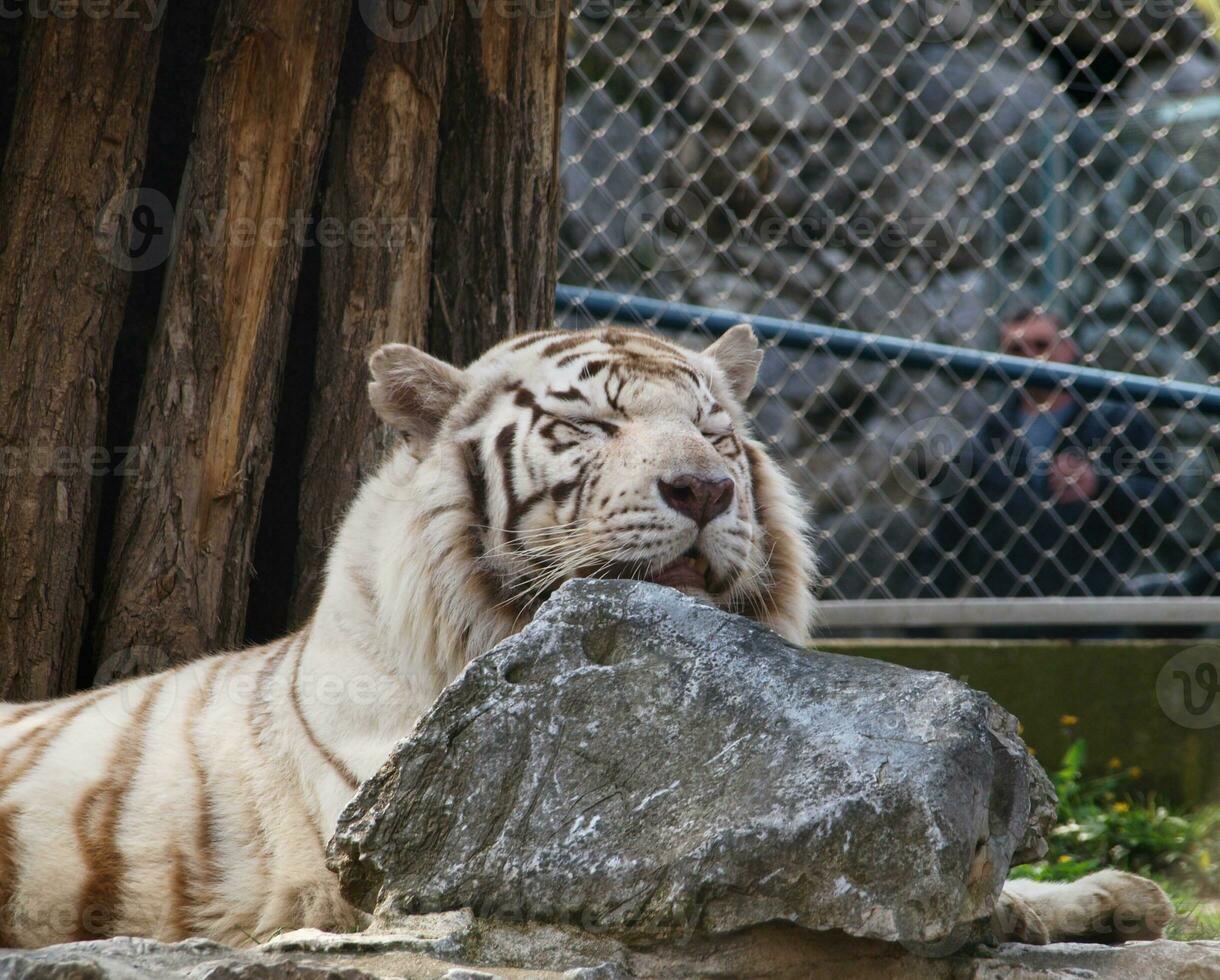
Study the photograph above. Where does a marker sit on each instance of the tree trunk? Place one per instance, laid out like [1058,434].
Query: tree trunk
[496,212]
[450,147]
[10,57]
[76,144]
[177,581]
[382,170]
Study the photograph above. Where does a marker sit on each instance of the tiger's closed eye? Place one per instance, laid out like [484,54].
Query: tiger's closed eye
[724,441]
[594,425]
[568,433]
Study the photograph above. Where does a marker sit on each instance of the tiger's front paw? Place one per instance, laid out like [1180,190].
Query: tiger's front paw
[1104,907]
[1016,921]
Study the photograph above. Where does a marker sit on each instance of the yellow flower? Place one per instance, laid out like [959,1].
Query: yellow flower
[1068,720]
[1114,763]
[1121,807]
[1032,750]
[1135,772]
[1064,858]
[1205,860]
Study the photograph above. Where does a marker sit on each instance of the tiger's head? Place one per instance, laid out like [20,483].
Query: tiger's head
[603,453]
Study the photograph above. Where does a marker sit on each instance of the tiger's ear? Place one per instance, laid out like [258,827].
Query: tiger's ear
[413,391]
[738,356]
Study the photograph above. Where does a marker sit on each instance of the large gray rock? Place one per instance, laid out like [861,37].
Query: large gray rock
[641,762]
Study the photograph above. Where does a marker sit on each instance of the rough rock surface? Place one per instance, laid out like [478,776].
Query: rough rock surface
[635,748]
[638,761]
[457,946]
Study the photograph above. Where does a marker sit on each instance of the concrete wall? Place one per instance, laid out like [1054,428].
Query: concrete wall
[1110,687]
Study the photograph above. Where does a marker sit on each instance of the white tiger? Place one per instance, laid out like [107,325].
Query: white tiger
[198,802]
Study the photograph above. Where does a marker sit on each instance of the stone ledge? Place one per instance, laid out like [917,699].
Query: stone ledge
[459,946]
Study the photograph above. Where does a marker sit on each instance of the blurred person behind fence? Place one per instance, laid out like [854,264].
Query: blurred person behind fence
[1052,496]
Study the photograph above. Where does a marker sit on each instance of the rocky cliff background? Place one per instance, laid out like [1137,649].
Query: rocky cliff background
[916,169]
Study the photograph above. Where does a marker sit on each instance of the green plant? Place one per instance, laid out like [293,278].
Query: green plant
[1104,822]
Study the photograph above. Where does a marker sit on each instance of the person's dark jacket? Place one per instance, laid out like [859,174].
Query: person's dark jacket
[1002,534]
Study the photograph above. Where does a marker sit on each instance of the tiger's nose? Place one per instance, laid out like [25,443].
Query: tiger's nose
[696,497]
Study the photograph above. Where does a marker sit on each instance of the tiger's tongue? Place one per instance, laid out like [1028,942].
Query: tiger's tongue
[687,574]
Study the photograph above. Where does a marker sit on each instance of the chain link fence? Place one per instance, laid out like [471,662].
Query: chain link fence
[1037,176]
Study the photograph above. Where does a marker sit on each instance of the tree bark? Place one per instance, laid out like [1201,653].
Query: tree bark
[382,171]
[10,57]
[451,146]
[498,195]
[177,582]
[76,143]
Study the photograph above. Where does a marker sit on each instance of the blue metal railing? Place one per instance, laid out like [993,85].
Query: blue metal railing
[895,351]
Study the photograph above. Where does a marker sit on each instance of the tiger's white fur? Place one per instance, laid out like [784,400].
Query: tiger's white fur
[199,801]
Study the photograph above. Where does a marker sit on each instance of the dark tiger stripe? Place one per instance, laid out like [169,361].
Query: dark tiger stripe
[440,510]
[587,475]
[728,445]
[568,343]
[364,587]
[609,428]
[619,382]
[256,837]
[618,337]
[97,822]
[754,460]
[23,712]
[563,490]
[530,339]
[783,565]
[338,765]
[193,882]
[258,711]
[654,366]
[506,441]
[476,482]
[571,394]
[593,367]
[474,409]
[23,758]
[178,927]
